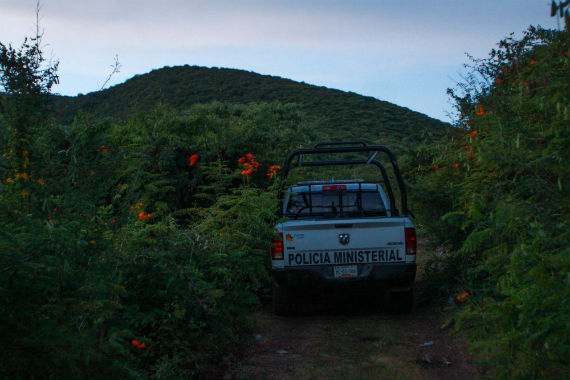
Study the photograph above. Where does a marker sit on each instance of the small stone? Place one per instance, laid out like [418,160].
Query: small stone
[282,352]
[428,358]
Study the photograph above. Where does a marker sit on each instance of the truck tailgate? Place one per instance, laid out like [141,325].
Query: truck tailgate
[338,242]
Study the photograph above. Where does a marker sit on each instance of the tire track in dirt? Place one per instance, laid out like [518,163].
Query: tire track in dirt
[355,346]
[344,342]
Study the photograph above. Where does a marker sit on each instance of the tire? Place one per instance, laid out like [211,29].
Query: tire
[282,302]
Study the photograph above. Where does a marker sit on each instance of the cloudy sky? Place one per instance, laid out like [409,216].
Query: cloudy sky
[407,52]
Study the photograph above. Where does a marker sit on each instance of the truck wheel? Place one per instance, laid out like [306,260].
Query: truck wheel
[402,301]
[282,303]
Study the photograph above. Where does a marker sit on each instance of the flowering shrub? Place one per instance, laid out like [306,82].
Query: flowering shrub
[502,216]
[112,260]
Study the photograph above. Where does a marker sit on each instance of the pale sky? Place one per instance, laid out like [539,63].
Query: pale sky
[406,52]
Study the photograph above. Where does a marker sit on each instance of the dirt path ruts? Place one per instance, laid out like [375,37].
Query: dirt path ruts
[355,346]
[364,345]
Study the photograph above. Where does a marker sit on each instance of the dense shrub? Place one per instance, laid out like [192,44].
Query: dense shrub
[132,249]
[503,201]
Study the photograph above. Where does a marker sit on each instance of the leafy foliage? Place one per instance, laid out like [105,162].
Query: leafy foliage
[127,258]
[503,205]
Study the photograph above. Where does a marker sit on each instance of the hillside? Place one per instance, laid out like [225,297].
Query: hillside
[337,114]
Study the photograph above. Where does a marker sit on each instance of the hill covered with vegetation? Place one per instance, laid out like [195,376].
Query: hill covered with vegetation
[333,114]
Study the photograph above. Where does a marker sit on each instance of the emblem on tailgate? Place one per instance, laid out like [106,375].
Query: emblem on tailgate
[343,239]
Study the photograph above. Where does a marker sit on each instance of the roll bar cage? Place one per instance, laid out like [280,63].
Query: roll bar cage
[350,147]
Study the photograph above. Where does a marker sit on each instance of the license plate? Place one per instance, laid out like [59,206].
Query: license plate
[345,271]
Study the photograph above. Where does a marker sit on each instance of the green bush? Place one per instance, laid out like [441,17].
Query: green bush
[121,255]
[502,191]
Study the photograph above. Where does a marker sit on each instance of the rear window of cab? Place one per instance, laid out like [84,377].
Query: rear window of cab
[335,201]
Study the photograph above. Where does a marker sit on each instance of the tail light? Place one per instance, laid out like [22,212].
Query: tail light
[334,187]
[277,249]
[411,245]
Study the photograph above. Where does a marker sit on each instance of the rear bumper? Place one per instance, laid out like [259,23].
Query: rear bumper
[387,276]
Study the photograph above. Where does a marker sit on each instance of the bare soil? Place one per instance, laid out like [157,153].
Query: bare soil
[347,342]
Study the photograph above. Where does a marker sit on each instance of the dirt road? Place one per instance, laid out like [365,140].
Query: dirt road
[361,345]
[348,343]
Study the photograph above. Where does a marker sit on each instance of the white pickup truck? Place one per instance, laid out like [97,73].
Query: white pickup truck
[343,233]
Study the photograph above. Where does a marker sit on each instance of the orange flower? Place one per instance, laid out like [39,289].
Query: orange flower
[454,165]
[142,216]
[468,146]
[481,111]
[473,133]
[273,171]
[135,342]
[250,164]
[141,346]
[113,221]
[462,296]
[435,167]
[192,159]
[532,62]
